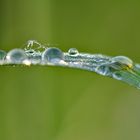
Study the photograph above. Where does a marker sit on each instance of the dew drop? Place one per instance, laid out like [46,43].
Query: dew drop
[52,55]
[117,75]
[73,51]
[138,66]
[16,56]
[123,62]
[103,70]
[2,55]
[27,62]
[35,59]
[138,87]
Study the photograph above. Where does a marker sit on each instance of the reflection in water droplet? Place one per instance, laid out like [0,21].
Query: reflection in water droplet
[103,70]
[52,55]
[26,62]
[138,66]
[117,75]
[35,59]
[16,56]
[73,51]
[2,55]
[138,87]
[123,61]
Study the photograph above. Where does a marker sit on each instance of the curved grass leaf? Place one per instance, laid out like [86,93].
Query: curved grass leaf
[120,67]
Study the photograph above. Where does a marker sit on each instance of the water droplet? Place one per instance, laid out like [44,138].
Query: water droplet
[35,59]
[2,55]
[138,87]
[52,55]
[26,62]
[103,70]
[138,66]
[117,75]
[123,62]
[73,51]
[16,56]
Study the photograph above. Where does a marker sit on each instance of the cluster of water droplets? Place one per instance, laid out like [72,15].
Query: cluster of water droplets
[32,54]
[35,53]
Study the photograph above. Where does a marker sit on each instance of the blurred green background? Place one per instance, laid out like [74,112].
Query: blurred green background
[54,103]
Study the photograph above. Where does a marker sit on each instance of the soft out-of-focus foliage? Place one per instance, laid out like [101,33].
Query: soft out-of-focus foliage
[57,103]
[24,20]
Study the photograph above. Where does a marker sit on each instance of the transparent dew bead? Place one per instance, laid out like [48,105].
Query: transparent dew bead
[73,51]
[2,55]
[138,87]
[123,62]
[103,70]
[136,68]
[117,75]
[52,55]
[35,59]
[16,56]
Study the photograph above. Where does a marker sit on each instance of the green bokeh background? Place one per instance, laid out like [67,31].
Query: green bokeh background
[54,103]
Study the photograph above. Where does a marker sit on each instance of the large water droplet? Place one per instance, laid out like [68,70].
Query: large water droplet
[52,55]
[2,55]
[16,56]
[122,62]
[73,51]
